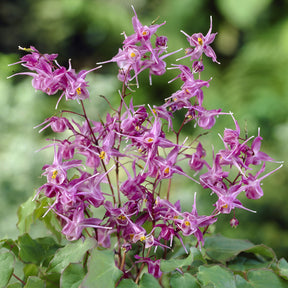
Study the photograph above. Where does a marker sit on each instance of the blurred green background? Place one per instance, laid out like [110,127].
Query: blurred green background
[252,81]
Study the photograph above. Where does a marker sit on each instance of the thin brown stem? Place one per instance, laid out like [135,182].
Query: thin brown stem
[20,280]
[142,267]
[179,131]
[96,142]
[169,188]
[123,262]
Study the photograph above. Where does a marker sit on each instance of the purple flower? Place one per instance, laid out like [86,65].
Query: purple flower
[253,183]
[73,227]
[215,174]
[206,118]
[153,265]
[234,222]
[227,197]
[50,77]
[196,161]
[191,221]
[201,44]
[57,124]
[255,157]
[142,33]
[57,172]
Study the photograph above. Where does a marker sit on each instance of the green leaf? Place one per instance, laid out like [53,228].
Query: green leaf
[102,271]
[247,261]
[283,268]
[265,279]
[6,268]
[263,252]
[224,249]
[36,250]
[216,275]
[15,285]
[242,283]
[257,257]
[173,263]
[25,215]
[50,220]
[72,276]
[72,253]
[34,282]
[30,270]
[127,283]
[147,281]
[11,245]
[184,281]
[52,280]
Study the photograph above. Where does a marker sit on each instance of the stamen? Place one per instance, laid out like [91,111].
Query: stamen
[167,170]
[200,41]
[142,238]
[122,217]
[54,174]
[78,90]
[102,155]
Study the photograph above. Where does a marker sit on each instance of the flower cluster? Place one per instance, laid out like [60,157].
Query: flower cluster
[85,172]
[50,77]
[138,54]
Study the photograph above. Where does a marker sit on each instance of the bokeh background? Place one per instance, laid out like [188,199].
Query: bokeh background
[252,81]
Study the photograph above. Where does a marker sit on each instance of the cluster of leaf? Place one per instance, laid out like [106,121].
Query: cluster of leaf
[50,262]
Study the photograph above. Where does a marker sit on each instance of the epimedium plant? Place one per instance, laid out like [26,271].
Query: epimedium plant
[109,186]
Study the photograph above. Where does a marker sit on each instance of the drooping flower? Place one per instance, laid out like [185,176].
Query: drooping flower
[201,44]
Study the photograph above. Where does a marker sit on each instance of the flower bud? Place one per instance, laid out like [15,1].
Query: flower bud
[234,222]
[161,41]
[197,66]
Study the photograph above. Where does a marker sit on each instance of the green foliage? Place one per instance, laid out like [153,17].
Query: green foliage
[184,281]
[37,251]
[46,263]
[147,280]
[6,268]
[101,269]
[251,79]
[172,264]
[73,252]
[72,276]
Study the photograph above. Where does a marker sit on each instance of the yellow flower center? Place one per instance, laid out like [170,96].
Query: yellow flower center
[225,206]
[102,155]
[200,41]
[142,238]
[122,217]
[54,174]
[167,170]
[132,54]
[187,223]
[78,90]
[149,140]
